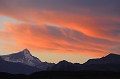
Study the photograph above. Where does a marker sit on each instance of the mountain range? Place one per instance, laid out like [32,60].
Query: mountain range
[24,63]
[110,62]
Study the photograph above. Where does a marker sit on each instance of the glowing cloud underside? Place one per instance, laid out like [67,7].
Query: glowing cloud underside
[77,27]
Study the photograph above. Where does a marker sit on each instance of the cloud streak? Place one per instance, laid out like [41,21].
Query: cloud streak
[54,39]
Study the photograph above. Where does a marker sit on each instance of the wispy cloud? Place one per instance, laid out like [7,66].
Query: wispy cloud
[76,26]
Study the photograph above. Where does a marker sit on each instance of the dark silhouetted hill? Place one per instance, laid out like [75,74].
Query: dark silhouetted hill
[109,59]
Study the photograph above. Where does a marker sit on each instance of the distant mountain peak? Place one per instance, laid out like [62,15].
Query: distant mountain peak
[23,56]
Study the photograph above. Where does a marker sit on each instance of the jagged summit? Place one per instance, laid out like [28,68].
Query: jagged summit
[26,53]
[26,50]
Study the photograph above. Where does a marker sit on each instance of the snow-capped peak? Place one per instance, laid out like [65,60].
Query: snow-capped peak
[24,57]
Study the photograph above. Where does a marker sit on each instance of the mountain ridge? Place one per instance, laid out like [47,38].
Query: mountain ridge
[111,62]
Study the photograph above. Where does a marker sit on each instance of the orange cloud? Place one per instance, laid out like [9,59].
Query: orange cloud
[78,29]
[46,38]
[87,24]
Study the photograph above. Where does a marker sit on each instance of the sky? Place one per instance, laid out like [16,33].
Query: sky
[55,30]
